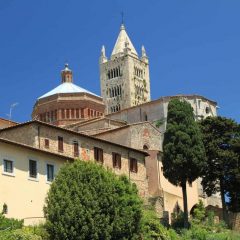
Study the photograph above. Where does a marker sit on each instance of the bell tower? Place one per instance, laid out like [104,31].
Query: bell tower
[124,77]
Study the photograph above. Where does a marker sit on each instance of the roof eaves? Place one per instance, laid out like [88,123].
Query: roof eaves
[73,132]
[33,148]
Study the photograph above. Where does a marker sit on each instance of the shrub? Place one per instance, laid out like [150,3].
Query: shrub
[10,223]
[152,228]
[87,201]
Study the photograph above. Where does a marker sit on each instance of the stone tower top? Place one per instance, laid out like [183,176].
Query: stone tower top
[123,40]
[124,77]
[67,74]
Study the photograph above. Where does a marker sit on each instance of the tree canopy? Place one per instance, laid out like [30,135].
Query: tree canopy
[220,135]
[183,149]
[87,201]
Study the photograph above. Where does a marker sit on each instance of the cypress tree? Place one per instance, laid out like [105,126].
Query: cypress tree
[183,149]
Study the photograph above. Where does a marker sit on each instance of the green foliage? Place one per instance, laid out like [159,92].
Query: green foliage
[10,223]
[222,173]
[4,209]
[159,123]
[88,202]
[26,233]
[178,221]
[183,149]
[152,228]
[199,213]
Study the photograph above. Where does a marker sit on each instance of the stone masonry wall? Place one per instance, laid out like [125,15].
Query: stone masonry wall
[35,134]
[26,134]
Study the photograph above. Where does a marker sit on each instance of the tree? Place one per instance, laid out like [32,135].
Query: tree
[87,201]
[219,134]
[233,178]
[183,149]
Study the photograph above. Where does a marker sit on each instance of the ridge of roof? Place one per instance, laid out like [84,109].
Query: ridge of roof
[7,120]
[71,131]
[127,126]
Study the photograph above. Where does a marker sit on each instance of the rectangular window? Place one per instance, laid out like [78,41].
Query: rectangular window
[8,166]
[46,143]
[116,160]
[98,154]
[32,169]
[75,149]
[133,165]
[50,172]
[60,144]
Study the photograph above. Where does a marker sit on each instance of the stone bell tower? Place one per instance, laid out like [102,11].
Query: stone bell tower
[124,77]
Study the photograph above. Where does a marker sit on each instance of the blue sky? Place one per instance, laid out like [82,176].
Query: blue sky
[193,47]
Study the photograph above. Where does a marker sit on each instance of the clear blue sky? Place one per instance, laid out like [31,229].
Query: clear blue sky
[193,47]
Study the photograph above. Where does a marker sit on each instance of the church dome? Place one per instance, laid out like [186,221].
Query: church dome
[67,87]
[67,103]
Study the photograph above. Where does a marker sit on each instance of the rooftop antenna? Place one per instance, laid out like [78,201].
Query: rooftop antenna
[11,109]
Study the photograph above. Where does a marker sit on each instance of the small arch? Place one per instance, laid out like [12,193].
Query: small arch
[192,209]
[145,147]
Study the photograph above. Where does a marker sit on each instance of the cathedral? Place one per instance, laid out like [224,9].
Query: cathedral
[122,129]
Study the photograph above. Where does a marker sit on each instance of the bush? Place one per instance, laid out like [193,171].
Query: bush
[88,202]
[152,228]
[10,223]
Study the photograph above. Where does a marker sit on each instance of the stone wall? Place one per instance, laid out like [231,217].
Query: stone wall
[35,134]
[26,134]
[234,221]
[157,110]
[140,136]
